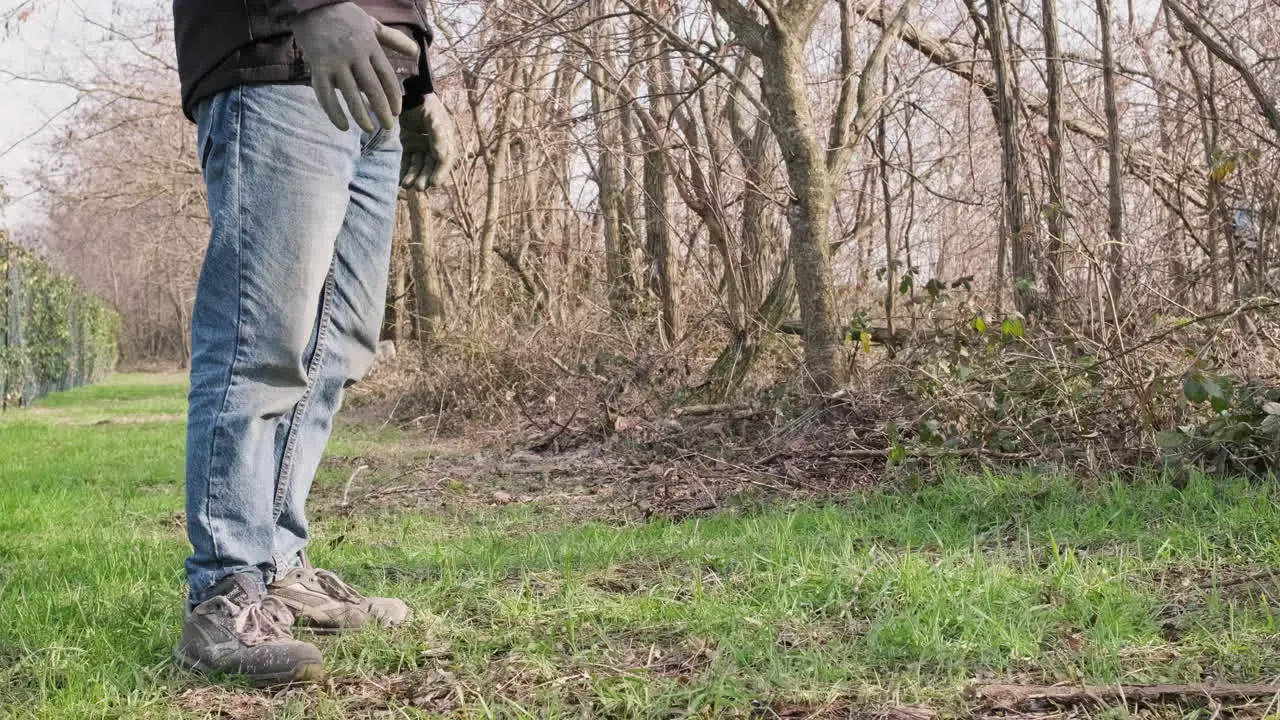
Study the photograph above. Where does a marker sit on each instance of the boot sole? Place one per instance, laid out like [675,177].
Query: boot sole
[302,674]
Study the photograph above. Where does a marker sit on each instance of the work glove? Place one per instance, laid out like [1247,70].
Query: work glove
[346,50]
[427,134]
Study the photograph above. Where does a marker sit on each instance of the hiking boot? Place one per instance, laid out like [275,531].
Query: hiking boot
[240,631]
[323,603]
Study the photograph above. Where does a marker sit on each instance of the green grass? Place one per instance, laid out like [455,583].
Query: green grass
[886,598]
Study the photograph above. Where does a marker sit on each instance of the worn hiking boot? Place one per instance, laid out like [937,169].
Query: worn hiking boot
[243,632]
[323,603]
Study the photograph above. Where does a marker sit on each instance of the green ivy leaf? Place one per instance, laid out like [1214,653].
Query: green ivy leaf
[1218,396]
[1011,327]
[1193,390]
[931,433]
[980,324]
[1271,408]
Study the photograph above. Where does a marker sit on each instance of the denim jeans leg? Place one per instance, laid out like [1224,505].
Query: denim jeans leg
[279,180]
[351,322]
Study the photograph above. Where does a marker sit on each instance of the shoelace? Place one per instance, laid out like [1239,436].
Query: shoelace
[336,588]
[263,622]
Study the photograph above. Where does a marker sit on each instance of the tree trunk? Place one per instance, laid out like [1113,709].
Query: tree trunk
[809,214]
[1220,219]
[428,295]
[1115,227]
[663,272]
[631,165]
[496,156]
[730,367]
[752,145]
[890,254]
[1056,179]
[393,320]
[610,179]
[662,280]
[1006,111]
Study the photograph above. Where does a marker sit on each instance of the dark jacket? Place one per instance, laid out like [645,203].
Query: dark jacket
[225,43]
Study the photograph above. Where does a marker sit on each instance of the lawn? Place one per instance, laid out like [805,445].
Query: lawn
[883,600]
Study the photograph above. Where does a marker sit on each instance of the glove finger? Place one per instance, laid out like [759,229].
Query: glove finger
[323,86]
[445,155]
[346,83]
[416,162]
[370,84]
[390,82]
[439,171]
[411,170]
[423,181]
[441,141]
[394,40]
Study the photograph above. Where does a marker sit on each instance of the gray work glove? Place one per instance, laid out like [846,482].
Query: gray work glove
[346,51]
[427,134]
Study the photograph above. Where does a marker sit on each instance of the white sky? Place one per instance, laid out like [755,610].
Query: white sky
[47,44]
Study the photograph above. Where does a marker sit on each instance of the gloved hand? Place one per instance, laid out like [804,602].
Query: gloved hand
[427,134]
[346,51]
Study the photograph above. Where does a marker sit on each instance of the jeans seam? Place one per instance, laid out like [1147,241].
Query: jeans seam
[285,481]
[367,148]
[234,179]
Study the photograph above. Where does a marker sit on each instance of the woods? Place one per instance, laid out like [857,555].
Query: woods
[760,194]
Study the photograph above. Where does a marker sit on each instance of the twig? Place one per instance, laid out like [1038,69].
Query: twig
[391,415]
[544,444]
[1271,705]
[586,376]
[346,489]
[524,410]
[383,492]
[1245,307]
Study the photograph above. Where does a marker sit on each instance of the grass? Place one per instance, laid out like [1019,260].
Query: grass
[886,598]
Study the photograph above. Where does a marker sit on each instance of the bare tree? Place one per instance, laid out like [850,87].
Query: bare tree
[1056,177]
[1115,196]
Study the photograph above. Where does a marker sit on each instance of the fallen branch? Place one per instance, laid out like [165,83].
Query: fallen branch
[726,412]
[345,509]
[1020,698]
[882,453]
[546,442]
[696,410]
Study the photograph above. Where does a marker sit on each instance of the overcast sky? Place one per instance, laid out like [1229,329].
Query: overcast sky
[47,44]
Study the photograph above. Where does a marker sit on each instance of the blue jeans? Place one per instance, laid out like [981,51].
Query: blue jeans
[287,314]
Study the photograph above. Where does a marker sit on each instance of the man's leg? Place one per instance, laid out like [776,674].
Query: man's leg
[346,338]
[350,322]
[279,180]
